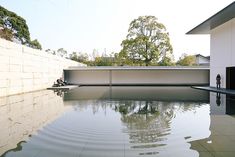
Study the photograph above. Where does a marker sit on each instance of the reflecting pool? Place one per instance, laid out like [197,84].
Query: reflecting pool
[118,122]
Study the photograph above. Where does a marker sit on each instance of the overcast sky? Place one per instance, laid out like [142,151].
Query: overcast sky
[84,25]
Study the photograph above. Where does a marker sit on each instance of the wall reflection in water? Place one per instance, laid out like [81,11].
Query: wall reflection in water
[221,141]
[157,120]
[121,121]
[22,115]
[148,93]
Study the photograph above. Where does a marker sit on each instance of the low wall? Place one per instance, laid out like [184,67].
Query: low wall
[23,69]
[137,75]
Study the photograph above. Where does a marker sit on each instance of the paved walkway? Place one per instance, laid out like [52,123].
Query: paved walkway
[214,89]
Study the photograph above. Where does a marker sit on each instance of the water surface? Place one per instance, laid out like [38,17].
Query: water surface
[116,122]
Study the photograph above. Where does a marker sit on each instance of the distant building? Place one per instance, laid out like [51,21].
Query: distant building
[202,60]
[221,28]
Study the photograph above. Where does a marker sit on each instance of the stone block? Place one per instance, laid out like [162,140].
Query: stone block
[28,69]
[3,101]
[15,83]
[16,60]
[27,75]
[27,82]
[3,83]
[4,59]
[4,91]
[4,67]
[14,75]
[27,62]
[15,90]
[15,68]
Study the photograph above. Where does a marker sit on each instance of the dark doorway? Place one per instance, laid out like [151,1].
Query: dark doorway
[230,77]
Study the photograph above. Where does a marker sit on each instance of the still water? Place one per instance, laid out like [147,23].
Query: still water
[118,122]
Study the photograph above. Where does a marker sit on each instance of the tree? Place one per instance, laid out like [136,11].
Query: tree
[146,42]
[16,24]
[50,51]
[104,61]
[166,61]
[14,27]
[79,57]
[6,34]
[187,60]
[35,44]
[62,52]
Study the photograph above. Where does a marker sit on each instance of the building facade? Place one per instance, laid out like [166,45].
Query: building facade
[221,28]
[202,60]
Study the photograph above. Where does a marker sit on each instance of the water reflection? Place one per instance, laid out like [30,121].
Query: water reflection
[153,126]
[148,93]
[118,121]
[22,115]
[132,126]
[221,141]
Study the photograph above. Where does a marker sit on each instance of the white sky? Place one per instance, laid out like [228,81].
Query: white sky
[84,25]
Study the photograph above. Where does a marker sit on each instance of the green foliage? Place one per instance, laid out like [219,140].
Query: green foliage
[146,42]
[16,24]
[123,109]
[166,61]
[6,34]
[14,27]
[103,61]
[79,57]
[35,44]
[187,60]
[53,52]
[62,52]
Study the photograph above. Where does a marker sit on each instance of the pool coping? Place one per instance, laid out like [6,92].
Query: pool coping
[68,87]
[214,89]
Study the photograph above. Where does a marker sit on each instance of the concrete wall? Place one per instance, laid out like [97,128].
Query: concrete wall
[23,69]
[23,114]
[222,51]
[138,76]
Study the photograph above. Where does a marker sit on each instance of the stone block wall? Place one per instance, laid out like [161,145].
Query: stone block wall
[23,69]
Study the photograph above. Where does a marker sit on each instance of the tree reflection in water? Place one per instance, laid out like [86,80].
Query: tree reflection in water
[146,122]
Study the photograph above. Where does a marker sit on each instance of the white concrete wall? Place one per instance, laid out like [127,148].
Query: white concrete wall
[160,77]
[23,69]
[222,51]
[201,60]
[156,76]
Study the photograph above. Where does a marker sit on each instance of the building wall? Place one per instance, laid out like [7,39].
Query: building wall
[222,51]
[140,76]
[23,69]
[202,61]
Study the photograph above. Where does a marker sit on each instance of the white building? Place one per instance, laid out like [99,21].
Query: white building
[221,28]
[202,60]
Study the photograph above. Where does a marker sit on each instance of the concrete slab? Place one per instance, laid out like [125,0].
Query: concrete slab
[63,87]
[214,89]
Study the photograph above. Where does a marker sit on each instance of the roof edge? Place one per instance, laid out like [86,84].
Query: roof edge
[214,21]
